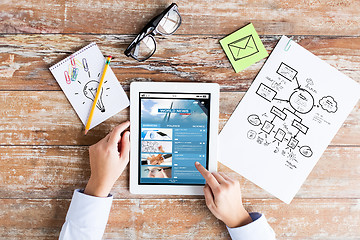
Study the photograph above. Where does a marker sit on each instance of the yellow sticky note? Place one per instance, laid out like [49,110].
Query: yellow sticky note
[243,47]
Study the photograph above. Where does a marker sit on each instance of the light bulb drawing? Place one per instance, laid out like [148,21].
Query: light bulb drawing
[90,90]
[90,87]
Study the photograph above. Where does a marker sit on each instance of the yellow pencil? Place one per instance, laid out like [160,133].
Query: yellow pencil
[87,127]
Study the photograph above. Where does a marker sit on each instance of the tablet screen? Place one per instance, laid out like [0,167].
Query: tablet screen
[174,130]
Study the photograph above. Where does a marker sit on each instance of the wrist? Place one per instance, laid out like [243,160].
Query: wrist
[96,188]
[242,219]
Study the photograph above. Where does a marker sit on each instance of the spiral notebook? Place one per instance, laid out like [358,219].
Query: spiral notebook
[78,76]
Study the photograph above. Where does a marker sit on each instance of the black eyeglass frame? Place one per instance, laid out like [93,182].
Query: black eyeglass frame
[150,30]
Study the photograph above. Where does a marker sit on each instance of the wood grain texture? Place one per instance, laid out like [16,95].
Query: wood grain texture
[44,155]
[55,171]
[25,59]
[321,17]
[321,219]
[47,118]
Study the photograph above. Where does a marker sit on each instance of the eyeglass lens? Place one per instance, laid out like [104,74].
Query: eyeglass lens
[169,23]
[144,48]
[147,46]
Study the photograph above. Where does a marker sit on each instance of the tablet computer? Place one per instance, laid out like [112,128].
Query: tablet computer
[173,125]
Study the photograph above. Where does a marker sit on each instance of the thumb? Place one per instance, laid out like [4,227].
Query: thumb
[115,135]
[125,146]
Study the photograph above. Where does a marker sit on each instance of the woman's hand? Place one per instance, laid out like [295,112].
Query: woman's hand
[108,159]
[223,198]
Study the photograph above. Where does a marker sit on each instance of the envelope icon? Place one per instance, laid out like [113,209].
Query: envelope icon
[243,47]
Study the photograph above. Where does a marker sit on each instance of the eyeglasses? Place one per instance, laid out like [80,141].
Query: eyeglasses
[144,45]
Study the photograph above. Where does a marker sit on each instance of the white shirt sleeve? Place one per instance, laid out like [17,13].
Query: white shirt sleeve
[86,218]
[258,229]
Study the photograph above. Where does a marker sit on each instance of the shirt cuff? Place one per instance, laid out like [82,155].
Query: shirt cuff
[259,228]
[89,211]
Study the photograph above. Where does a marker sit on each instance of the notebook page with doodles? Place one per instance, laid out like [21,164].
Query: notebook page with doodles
[286,120]
[78,76]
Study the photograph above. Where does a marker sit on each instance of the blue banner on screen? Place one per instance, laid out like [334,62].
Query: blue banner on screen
[173,136]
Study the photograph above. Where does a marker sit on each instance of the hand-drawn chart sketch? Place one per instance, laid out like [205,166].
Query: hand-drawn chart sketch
[286,120]
[281,132]
[78,76]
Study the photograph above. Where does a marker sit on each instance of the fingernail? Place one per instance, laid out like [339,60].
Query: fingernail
[197,163]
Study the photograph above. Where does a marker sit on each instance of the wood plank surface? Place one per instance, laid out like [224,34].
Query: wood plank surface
[322,17]
[55,171]
[185,219]
[25,59]
[47,118]
[44,155]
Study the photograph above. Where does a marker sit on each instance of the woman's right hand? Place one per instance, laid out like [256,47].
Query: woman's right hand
[223,198]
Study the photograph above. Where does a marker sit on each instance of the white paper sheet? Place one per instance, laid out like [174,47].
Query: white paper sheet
[287,118]
[78,76]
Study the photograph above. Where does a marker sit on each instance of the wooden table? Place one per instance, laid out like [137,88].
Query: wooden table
[44,155]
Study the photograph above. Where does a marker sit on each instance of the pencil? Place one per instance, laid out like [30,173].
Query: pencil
[87,127]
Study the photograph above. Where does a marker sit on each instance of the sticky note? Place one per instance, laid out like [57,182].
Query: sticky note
[243,47]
